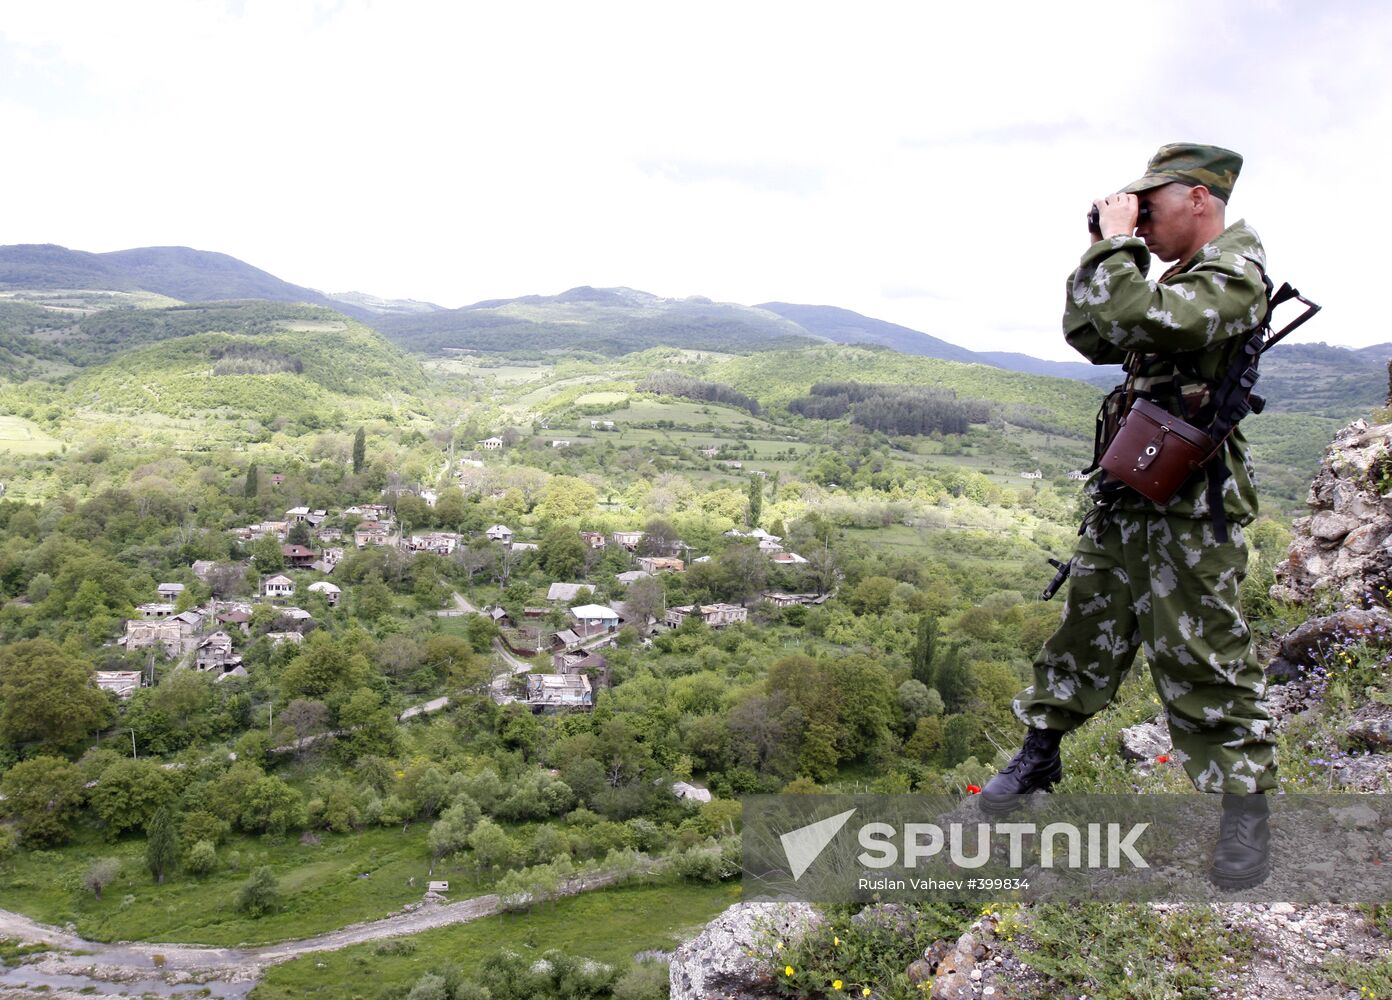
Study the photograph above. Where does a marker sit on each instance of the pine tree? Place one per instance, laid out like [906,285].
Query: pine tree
[161,843]
[253,483]
[756,501]
[359,450]
[924,650]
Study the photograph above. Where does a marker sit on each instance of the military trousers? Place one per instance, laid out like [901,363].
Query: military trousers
[1165,586]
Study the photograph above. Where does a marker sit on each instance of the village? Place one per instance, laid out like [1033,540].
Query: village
[564,630]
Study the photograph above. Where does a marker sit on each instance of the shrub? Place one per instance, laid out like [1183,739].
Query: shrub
[201,858]
[259,894]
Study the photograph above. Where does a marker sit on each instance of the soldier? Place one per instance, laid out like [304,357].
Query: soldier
[1164,578]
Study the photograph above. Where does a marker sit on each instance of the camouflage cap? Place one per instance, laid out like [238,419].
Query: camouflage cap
[1214,167]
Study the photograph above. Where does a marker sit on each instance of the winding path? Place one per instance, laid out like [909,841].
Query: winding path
[226,972]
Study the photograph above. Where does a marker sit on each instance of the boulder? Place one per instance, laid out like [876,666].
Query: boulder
[1299,650]
[728,960]
[1146,740]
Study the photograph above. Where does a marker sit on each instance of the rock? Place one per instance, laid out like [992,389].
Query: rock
[1359,816]
[953,986]
[1147,740]
[939,950]
[1328,526]
[920,971]
[1281,909]
[1362,541]
[1299,650]
[717,962]
[892,917]
[1372,726]
[1372,773]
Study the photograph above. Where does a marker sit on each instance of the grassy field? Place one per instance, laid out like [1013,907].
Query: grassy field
[25,438]
[344,879]
[609,926]
[600,398]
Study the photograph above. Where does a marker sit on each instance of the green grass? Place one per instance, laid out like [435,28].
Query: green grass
[321,885]
[609,926]
[599,398]
[25,437]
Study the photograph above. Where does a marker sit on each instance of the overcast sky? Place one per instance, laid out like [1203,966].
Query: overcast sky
[912,162]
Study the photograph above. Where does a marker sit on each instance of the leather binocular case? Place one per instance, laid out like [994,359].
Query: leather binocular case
[1154,452]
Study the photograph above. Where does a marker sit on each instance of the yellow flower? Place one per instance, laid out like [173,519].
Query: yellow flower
[778,946]
[836,984]
[865,992]
[836,941]
[787,970]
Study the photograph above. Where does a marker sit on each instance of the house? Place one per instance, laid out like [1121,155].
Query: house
[237,671]
[594,539]
[769,545]
[166,634]
[327,561]
[297,615]
[1077,474]
[189,622]
[329,535]
[535,612]
[499,533]
[441,543]
[430,497]
[559,691]
[303,515]
[566,592]
[607,425]
[591,615]
[690,792]
[491,444]
[240,620]
[331,592]
[170,591]
[781,600]
[1036,474]
[372,533]
[498,616]
[560,443]
[278,586]
[714,615]
[215,653]
[788,558]
[631,576]
[580,661]
[564,639]
[154,610]
[121,683]
[294,638]
[524,546]
[710,452]
[297,556]
[627,539]
[661,564]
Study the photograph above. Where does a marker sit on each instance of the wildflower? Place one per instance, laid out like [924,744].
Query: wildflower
[1163,758]
[778,946]
[836,941]
[974,789]
[836,984]
[787,970]
[865,992]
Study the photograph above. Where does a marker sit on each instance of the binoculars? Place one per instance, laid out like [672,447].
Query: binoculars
[1095,224]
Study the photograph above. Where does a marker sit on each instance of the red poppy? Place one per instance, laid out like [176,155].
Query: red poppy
[1164,758]
[974,789]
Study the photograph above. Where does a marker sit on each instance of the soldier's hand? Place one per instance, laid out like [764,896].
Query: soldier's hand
[1117,214]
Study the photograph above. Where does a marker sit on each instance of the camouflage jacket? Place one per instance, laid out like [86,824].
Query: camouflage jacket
[1175,335]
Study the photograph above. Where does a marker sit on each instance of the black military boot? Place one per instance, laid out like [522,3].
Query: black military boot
[1035,768]
[1242,856]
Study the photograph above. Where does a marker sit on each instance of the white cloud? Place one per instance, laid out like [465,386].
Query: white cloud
[923,166]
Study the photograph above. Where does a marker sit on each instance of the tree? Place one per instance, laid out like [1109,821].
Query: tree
[369,727]
[201,858]
[756,500]
[450,833]
[646,598]
[267,554]
[161,843]
[491,845]
[100,874]
[259,894]
[562,552]
[565,498]
[43,796]
[47,696]
[924,650]
[359,450]
[129,792]
[252,486]
[323,666]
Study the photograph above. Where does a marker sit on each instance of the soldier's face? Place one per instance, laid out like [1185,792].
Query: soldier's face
[1170,227]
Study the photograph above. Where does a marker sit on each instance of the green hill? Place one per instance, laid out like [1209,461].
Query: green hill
[270,359]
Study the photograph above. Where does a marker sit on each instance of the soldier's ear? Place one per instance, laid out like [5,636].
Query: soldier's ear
[1200,198]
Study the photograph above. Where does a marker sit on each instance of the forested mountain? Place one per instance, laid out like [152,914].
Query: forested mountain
[607,321]
[179,272]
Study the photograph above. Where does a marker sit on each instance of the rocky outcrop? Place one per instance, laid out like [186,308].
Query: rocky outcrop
[1314,642]
[725,961]
[1345,545]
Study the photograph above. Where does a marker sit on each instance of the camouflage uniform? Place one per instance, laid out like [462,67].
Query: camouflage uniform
[1153,577]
